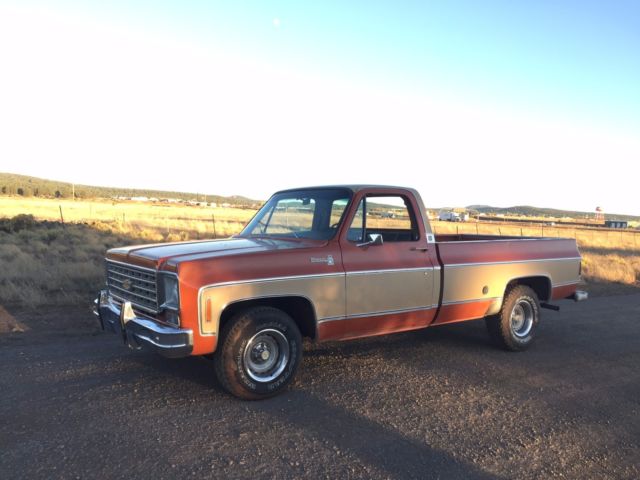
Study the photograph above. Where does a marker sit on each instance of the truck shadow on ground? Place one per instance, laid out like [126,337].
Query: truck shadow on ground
[200,370]
[310,414]
[373,444]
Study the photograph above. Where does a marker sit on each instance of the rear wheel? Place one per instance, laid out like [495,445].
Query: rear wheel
[258,353]
[514,327]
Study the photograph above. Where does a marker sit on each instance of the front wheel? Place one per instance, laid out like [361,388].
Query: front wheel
[514,327]
[258,353]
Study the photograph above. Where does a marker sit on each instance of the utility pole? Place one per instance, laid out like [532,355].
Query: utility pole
[73,191]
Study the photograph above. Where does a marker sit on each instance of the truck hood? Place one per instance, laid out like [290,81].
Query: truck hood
[170,254]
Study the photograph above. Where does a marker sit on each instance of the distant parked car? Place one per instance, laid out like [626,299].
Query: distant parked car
[448,216]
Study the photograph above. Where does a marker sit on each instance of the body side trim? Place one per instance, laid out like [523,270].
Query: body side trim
[377,314]
[388,270]
[499,238]
[269,279]
[564,284]
[474,300]
[473,264]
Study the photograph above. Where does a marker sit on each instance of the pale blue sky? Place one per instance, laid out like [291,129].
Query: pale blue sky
[439,87]
[575,57]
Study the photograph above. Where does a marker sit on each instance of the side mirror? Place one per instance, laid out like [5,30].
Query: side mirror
[373,239]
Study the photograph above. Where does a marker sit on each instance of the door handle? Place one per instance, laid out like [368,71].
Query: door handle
[419,249]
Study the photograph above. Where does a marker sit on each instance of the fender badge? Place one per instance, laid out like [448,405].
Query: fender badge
[328,260]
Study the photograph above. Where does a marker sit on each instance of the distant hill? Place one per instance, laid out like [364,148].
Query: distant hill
[13,184]
[528,211]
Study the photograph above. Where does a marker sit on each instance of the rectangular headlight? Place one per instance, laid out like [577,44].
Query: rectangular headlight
[170,296]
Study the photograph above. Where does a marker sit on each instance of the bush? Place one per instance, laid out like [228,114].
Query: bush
[45,263]
[17,223]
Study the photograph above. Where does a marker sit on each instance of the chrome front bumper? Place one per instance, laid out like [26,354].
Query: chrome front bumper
[138,332]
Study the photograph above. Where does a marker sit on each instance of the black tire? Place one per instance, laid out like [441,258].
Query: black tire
[515,326]
[258,353]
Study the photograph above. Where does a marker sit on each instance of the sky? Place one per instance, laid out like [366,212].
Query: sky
[497,102]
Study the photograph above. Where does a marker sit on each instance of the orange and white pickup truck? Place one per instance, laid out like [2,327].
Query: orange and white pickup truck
[327,263]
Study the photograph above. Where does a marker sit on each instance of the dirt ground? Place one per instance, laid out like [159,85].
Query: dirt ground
[437,403]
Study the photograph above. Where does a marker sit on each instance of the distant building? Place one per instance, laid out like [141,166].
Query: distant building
[616,224]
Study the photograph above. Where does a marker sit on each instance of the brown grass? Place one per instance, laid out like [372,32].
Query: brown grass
[48,263]
[148,221]
[45,262]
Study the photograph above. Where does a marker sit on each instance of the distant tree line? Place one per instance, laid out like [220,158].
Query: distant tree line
[529,211]
[13,184]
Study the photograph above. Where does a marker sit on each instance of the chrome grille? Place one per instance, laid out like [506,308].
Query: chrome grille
[133,284]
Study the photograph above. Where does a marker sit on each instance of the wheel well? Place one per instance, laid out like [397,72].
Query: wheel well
[300,309]
[540,285]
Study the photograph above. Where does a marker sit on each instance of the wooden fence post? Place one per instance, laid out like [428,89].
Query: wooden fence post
[61,217]
[213,217]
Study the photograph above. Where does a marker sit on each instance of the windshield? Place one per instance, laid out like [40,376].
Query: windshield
[314,214]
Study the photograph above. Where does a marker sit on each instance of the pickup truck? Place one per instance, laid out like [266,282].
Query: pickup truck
[327,263]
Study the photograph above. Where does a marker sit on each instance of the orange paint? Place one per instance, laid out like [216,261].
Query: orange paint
[563,292]
[346,329]
[462,311]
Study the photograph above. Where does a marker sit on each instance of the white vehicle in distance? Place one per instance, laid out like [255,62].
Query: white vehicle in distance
[449,216]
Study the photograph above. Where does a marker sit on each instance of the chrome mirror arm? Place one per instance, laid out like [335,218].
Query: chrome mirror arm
[375,239]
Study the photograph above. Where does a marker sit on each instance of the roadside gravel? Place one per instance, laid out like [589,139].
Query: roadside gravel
[438,403]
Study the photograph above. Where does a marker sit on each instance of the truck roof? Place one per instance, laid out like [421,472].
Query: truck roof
[353,187]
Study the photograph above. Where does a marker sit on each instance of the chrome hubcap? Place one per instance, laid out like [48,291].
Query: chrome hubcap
[522,318]
[266,355]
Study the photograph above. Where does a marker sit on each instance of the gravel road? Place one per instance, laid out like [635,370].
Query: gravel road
[438,403]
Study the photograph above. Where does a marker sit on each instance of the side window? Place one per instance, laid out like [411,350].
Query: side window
[356,229]
[390,216]
[337,210]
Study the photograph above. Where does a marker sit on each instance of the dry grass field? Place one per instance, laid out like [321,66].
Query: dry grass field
[160,222]
[46,262]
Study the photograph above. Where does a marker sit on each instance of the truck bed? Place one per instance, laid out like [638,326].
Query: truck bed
[476,269]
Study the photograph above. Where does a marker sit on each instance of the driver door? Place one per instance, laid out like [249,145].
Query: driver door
[389,285]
